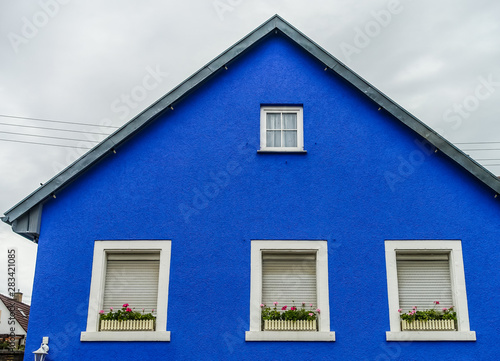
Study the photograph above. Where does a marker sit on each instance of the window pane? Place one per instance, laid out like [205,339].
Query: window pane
[289,120]
[290,138]
[273,121]
[273,138]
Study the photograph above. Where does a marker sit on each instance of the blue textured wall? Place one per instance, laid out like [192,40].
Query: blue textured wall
[338,191]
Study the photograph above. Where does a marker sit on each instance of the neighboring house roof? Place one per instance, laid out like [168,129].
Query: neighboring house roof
[21,310]
[25,216]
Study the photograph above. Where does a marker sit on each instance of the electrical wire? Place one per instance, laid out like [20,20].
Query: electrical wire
[62,130]
[477,143]
[52,145]
[47,136]
[58,121]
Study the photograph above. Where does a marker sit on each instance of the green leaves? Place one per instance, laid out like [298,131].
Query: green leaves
[288,314]
[432,314]
[125,314]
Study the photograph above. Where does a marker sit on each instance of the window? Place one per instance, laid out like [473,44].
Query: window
[134,272]
[420,273]
[289,272]
[281,129]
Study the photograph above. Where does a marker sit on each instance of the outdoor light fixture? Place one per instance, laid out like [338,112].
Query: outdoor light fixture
[42,352]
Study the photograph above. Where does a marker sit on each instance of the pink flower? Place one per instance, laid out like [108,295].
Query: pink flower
[128,309]
[445,309]
[293,308]
[318,310]
[414,307]
[275,303]
[111,309]
[311,314]
[101,312]
[311,305]
[143,310]
[153,310]
[400,310]
[125,305]
[436,302]
[261,305]
[303,304]
[284,308]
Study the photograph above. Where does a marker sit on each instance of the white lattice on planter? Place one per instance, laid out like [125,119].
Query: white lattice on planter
[429,325]
[128,325]
[281,325]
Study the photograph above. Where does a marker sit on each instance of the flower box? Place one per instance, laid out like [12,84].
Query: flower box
[281,325]
[429,325]
[127,325]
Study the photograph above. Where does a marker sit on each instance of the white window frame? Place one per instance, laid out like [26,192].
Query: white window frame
[255,333]
[101,248]
[454,247]
[300,128]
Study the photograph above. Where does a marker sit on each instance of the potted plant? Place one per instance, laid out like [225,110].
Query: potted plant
[126,319]
[429,320]
[289,318]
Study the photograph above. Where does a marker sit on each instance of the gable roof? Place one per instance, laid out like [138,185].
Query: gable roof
[21,310]
[25,216]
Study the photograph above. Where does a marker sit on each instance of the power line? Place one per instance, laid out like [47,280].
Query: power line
[62,130]
[58,121]
[47,136]
[52,145]
[478,143]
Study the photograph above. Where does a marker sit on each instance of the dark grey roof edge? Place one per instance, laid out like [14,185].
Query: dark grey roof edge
[138,122]
[276,22]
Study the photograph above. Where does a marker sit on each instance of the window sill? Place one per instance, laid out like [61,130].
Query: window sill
[289,336]
[125,336]
[278,150]
[431,336]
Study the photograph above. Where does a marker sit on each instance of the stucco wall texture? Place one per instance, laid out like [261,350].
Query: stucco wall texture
[194,177]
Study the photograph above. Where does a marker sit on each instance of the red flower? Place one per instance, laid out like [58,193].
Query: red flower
[284,308]
[293,308]
[125,305]
[128,309]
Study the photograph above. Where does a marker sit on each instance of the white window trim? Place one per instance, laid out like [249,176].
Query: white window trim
[458,288]
[97,288]
[300,129]
[255,333]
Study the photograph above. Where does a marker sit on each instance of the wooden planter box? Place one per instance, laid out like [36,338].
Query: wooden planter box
[430,325]
[280,325]
[129,325]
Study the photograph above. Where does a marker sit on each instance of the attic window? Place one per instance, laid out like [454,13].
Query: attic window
[281,129]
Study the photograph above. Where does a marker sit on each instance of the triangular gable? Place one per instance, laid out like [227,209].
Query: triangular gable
[25,216]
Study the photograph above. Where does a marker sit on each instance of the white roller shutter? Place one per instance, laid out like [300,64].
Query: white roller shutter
[423,279]
[132,279]
[289,278]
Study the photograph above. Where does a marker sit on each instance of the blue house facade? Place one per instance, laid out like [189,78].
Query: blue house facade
[274,174]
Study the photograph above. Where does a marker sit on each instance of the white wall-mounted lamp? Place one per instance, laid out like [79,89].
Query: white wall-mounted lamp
[42,352]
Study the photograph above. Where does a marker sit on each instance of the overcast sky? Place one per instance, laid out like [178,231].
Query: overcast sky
[102,62]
